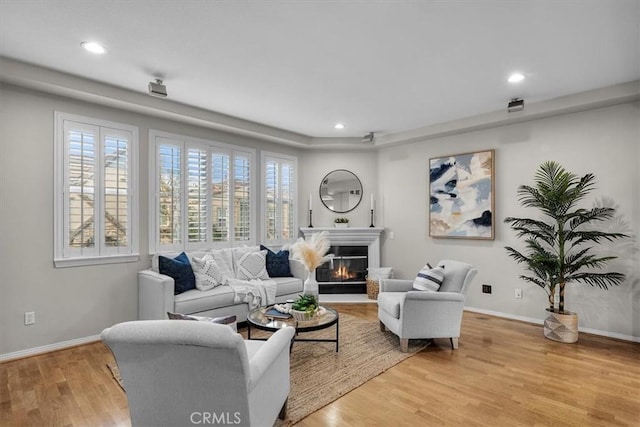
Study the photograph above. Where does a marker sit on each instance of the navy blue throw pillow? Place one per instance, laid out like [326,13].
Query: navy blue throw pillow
[277,263]
[179,268]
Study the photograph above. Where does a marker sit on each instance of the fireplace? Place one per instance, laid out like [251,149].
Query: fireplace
[346,273]
[355,250]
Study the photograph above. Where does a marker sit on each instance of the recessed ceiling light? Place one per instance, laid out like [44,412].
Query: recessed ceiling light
[339,126]
[515,78]
[93,47]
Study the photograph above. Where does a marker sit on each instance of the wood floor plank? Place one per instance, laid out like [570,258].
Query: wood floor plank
[505,373]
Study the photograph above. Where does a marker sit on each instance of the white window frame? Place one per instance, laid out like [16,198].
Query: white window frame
[64,255]
[157,137]
[267,156]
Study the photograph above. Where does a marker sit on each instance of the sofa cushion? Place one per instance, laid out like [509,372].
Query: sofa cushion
[207,272]
[178,268]
[287,285]
[252,265]
[277,263]
[190,254]
[195,301]
[390,302]
[429,279]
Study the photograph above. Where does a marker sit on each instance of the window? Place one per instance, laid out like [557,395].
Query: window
[279,198]
[95,204]
[202,194]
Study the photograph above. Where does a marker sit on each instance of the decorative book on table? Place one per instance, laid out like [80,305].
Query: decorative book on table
[275,314]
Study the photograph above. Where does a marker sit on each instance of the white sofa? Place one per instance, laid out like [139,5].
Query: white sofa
[156,293]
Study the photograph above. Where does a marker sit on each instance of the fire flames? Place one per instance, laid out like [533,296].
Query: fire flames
[343,273]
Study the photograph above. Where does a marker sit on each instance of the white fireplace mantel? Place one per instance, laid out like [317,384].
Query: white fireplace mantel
[352,236]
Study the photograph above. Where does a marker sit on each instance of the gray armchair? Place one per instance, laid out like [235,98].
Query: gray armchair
[179,373]
[412,314]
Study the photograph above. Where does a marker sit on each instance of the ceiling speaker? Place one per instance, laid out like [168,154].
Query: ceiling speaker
[157,89]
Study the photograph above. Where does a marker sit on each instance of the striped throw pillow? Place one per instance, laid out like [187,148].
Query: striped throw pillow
[429,279]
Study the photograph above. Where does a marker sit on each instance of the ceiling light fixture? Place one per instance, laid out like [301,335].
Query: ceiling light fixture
[157,89]
[93,47]
[339,126]
[515,78]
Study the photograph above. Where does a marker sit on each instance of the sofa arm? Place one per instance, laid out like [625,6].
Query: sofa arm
[396,285]
[274,348]
[298,269]
[155,295]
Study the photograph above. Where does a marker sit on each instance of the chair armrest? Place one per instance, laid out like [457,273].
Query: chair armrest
[435,296]
[396,285]
[298,269]
[155,295]
[266,356]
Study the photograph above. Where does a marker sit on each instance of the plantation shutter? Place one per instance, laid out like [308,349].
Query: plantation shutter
[80,145]
[117,191]
[197,195]
[220,197]
[280,189]
[169,194]
[242,198]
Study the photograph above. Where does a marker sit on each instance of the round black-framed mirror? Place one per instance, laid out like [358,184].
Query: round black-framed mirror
[341,191]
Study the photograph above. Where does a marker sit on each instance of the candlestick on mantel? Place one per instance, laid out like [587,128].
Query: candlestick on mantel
[310,217]
[371,219]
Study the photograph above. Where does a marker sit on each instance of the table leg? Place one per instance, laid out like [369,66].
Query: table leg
[337,335]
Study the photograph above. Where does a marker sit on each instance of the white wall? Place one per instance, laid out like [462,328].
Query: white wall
[70,303]
[604,141]
[316,164]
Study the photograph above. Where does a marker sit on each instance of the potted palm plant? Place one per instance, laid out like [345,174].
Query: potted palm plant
[560,248]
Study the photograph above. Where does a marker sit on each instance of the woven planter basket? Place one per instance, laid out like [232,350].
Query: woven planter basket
[561,327]
[373,287]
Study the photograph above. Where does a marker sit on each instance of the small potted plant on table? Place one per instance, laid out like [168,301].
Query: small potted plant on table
[305,307]
[341,222]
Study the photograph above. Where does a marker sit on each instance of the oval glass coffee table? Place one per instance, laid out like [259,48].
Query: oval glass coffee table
[257,318]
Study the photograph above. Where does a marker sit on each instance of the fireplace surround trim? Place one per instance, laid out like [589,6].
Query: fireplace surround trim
[352,236]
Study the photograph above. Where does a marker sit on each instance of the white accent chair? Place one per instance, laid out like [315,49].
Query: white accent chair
[413,314]
[179,373]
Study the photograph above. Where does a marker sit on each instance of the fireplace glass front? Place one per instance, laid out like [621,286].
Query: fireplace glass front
[346,273]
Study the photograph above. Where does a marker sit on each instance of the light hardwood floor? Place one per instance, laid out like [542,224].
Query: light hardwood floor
[505,373]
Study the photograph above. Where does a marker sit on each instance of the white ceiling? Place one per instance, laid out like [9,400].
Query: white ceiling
[384,66]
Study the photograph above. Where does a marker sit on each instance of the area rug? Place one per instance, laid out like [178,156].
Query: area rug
[319,375]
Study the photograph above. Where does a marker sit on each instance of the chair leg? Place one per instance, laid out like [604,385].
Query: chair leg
[404,345]
[454,343]
[283,411]
[383,328]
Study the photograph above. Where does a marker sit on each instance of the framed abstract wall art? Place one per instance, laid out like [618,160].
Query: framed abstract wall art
[461,196]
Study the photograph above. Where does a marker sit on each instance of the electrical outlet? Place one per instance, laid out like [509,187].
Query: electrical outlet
[392,235]
[518,293]
[486,289]
[29,318]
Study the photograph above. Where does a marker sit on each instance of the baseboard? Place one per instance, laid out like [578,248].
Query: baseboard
[540,322]
[48,348]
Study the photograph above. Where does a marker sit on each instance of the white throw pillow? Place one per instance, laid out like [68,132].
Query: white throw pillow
[224,260]
[252,265]
[429,279]
[207,272]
